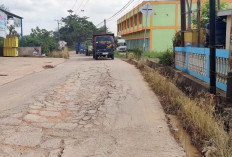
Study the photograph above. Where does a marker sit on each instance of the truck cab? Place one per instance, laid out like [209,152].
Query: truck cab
[82,47]
[88,47]
[103,46]
[122,45]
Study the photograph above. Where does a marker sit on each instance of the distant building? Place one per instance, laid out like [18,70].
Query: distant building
[162,25]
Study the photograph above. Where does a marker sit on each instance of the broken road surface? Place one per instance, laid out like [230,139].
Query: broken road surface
[81,108]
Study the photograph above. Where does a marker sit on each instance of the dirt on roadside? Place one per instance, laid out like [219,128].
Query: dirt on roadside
[13,68]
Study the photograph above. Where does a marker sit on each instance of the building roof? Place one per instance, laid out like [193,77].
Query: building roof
[224,12]
[10,14]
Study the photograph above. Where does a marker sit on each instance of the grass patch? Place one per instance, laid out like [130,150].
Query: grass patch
[165,58]
[119,55]
[197,115]
[60,54]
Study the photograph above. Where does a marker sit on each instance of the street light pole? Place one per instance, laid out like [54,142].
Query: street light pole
[105,26]
[145,33]
[58,22]
[212,47]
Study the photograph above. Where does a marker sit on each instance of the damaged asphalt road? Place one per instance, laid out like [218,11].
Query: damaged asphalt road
[91,108]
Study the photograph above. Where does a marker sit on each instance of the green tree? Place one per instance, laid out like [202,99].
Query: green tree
[77,29]
[12,31]
[41,37]
[205,13]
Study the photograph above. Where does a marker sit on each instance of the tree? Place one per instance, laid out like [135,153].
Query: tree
[12,31]
[205,13]
[41,37]
[77,29]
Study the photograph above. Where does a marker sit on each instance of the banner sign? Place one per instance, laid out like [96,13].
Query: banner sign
[17,22]
[3,22]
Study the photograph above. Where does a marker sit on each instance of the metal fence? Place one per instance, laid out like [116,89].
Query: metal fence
[195,61]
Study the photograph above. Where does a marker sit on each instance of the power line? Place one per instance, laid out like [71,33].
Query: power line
[136,4]
[80,5]
[74,4]
[121,10]
[117,13]
[84,6]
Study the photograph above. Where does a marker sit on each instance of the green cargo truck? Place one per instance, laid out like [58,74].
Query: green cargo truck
[89,47]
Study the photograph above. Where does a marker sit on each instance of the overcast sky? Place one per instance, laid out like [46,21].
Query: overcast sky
[43,13]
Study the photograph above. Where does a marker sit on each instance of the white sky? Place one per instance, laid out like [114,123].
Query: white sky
[43,13]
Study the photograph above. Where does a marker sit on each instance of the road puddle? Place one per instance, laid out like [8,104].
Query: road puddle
[183,137]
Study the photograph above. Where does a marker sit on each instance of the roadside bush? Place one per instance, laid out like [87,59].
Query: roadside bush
[41,37]
[60,54]
[137,53]
[166,58]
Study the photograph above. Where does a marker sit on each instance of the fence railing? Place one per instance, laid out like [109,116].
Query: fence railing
[195,61]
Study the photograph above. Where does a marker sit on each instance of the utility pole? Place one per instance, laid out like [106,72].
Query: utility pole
[198,23]
[212,7]
[145,33]
[105,26]
[189,13]
[218,4]
[58,22]
[183,22]
[22,42]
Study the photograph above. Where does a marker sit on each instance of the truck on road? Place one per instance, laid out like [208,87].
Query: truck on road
[121,45]
[103,46]
[80,47]
[88,47]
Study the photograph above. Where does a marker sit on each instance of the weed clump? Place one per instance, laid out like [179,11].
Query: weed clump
[60,54]
[197,115]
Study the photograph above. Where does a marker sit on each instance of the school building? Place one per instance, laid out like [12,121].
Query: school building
[161,26]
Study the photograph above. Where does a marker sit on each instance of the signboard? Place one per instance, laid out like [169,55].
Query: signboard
[17,22]
[147,9]
[3,21]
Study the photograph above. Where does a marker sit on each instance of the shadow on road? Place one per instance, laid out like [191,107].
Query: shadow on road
[82,57]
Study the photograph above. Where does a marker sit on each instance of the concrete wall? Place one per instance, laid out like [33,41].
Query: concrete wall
[29,51]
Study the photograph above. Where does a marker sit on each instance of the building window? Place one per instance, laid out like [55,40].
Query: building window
[135,19]
[140,18]
[131,20]
[128,23]
[124,24]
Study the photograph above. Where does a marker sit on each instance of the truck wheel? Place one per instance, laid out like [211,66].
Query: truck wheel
[96,57]
[112,57]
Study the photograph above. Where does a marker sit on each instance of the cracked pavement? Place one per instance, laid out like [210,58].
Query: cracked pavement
[92,108]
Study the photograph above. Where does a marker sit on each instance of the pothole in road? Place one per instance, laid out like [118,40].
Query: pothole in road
[48,66]
[3,75]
